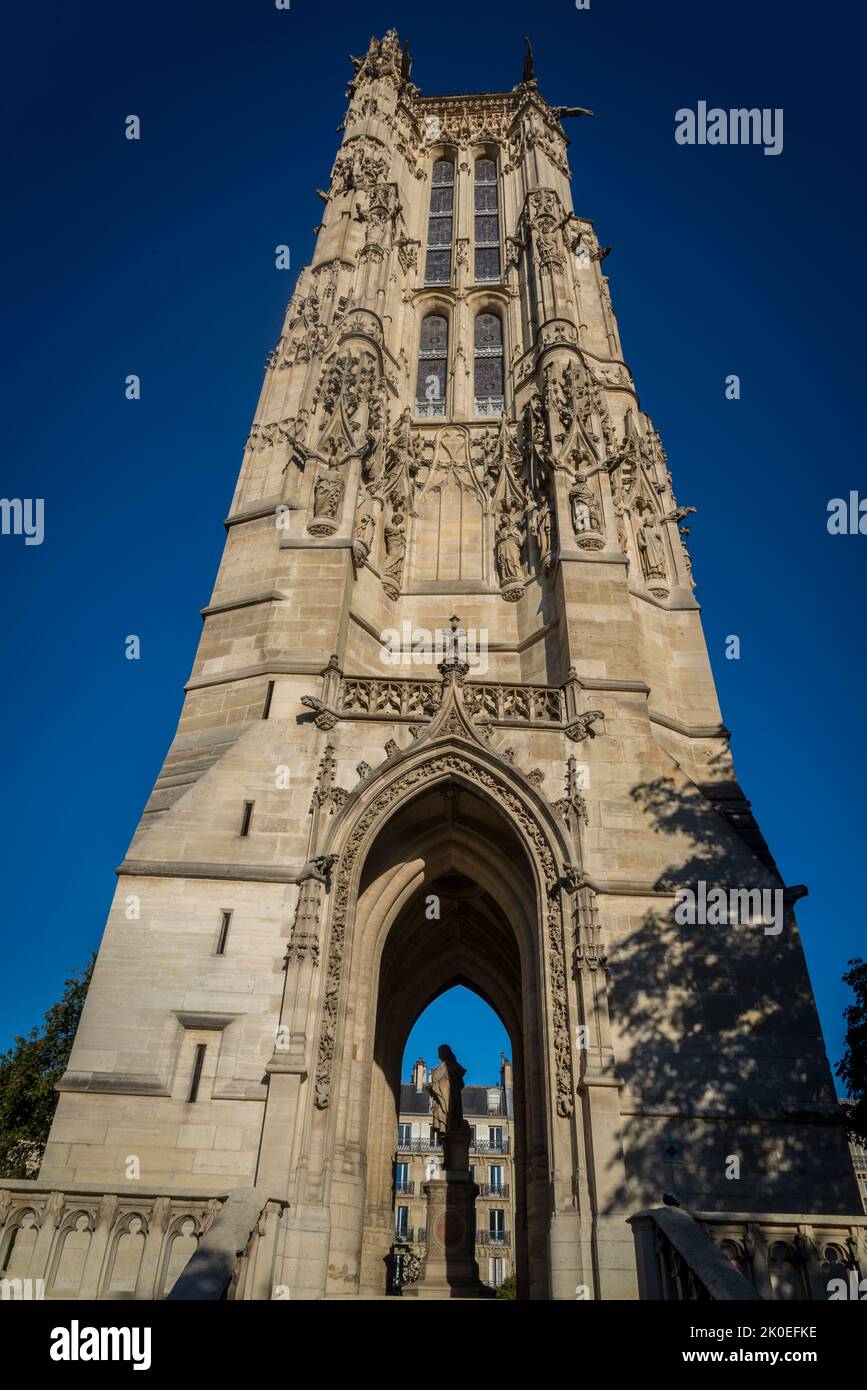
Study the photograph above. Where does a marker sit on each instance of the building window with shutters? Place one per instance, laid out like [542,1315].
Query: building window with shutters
[440,224]
[486,223]
[433,357]
[488,365]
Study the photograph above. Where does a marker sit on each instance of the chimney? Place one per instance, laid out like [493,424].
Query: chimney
[419,1074]
[505,1072]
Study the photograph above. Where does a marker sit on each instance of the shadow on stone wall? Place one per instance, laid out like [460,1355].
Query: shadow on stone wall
[717,1038]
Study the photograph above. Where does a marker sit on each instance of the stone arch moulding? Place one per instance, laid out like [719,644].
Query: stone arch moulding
[449,757]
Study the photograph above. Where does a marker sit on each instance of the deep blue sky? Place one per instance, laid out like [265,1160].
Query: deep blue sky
[157,258]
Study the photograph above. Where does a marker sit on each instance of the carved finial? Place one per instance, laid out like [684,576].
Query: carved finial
[529,69]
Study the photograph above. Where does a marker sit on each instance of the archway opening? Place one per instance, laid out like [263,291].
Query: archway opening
[448,889]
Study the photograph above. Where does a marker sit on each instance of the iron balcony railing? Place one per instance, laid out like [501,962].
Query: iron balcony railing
[429,1146]
[493,1238]
[493,1189]
[404,1189]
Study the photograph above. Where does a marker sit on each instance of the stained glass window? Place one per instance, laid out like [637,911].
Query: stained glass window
[487,221]
[431,382]
[438,262]
[488,365]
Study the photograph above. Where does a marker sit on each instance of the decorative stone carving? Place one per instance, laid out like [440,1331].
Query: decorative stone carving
[327,496]
[365,527]
[379,210]
[318,869]
[361,163]
[407,253]
[586,513]
[400,787]
[582,727]
[326,795]
[395,552]
[650,552]
[507,553]
[573,806]
[325,717]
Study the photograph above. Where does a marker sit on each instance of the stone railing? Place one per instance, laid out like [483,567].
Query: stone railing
[88,1242]
[372,697]
[712,1256]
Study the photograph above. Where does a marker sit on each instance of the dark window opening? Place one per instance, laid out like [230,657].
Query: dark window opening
[201,1049]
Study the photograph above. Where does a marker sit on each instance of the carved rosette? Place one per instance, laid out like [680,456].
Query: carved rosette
[552,909]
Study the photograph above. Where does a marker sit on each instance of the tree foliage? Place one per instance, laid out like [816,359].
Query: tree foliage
[29,1072]
[852,1070]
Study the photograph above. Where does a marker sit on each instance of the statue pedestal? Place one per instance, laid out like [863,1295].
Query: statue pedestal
[449,1269]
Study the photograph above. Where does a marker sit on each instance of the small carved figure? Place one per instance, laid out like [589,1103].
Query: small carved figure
[650,552]
[395,544]
[508,550]
[327,494]
[585,509]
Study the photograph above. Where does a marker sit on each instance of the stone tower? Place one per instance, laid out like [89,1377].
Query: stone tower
[357,812]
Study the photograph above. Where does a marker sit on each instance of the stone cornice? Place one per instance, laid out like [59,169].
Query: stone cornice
[688,730]
[312,667]
[174,868]
[272,596]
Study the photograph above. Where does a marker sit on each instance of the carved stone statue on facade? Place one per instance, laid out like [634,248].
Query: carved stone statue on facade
[650,552]
[542,525]
[395,551]
[327,496]
[365,525]
[507,552]
[584,506]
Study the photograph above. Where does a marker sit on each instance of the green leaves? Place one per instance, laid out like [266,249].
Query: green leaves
[29,1072]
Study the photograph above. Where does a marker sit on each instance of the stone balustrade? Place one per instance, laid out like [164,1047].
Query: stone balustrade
[400,697]
[779,1257]
[88,1242]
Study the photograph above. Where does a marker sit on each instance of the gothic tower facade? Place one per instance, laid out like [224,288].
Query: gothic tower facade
[352,817]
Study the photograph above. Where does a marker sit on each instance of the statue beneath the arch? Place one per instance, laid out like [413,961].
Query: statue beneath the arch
[446,1084]
[450,1269]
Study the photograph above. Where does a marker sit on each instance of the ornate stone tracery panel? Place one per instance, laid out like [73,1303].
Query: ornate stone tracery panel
[551,909]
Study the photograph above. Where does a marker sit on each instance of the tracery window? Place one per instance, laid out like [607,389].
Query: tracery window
[488,365]
[487,221]
[433,354]
[440,224]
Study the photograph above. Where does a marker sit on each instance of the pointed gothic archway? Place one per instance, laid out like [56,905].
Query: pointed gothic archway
[447,816]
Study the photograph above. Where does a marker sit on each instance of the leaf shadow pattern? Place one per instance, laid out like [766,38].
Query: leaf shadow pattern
[727,1099]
